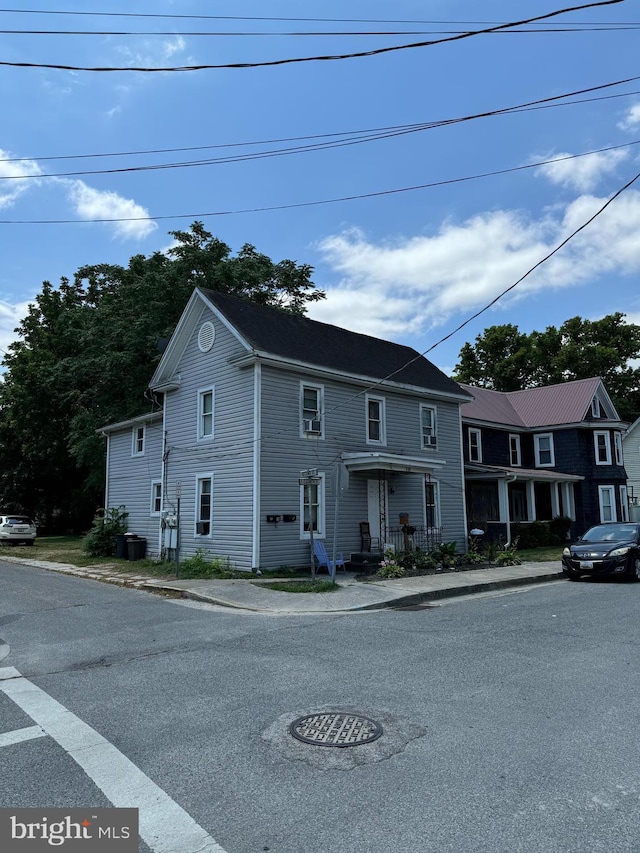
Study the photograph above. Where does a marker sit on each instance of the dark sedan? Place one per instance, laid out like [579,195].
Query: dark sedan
[606,549]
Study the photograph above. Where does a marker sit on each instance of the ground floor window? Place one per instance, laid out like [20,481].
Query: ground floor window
[607,501]
[156,497]
[482,501]
[431,505]
[312,509]
[204,505]
[624,504]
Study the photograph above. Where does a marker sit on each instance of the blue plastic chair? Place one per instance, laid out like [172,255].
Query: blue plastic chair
[323,560]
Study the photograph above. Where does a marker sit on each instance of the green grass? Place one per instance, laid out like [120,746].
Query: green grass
[538,555]
[300,586]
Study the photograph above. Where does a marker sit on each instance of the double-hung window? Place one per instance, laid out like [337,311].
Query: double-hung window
[137,441]
[311,411]
[607,501]
[602,442]
[515,457]
[312,509]
[206,400]
[431,505]
[204,505]
[624,504]
[376,426]
[543,445]
[428,427]
[617,444]
[475,445]
[156,497]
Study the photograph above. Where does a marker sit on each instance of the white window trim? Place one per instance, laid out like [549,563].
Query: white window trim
[383,419]
[518,463]
[134,440]
[478,434]
[196,515]
[154,485]
[618,448]
[321,532]
[612,491]
[536,444]
[320,411]
[607,446]
[596,409]
[624,504]
[201,393]
[434,430]
[436,486]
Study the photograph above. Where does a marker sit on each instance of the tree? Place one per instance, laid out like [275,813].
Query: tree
[86,351]
[505,359]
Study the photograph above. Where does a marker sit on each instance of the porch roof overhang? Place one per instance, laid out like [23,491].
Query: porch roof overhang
[478,471]
[379,461]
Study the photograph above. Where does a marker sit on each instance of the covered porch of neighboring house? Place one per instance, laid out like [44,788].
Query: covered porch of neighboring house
[402,510]
[498,497]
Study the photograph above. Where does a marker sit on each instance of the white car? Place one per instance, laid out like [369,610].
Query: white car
[16,529]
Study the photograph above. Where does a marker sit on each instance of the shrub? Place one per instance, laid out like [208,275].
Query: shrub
[203,565]
[446,554]
[390,567]
[101,540]
[508,556]
[559,528]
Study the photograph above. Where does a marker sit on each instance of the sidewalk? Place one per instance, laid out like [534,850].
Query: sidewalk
[352,596]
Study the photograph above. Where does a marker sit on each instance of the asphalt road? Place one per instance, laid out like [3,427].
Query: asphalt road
[510,721]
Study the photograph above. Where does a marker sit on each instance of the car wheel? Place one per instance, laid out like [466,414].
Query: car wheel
[635,569]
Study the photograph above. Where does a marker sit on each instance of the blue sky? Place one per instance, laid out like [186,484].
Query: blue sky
[406,266]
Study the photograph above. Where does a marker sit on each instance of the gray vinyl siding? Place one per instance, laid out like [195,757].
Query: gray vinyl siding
[284,454]
[130,477]
[631,451]
[228,457]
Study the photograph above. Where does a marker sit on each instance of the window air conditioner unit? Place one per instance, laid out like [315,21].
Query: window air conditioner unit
[431,441]
[202,528]
[312,425]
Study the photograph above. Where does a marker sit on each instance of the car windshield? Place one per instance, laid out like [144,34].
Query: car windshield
[610,533]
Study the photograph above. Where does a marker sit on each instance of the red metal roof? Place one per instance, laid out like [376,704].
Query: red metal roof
[566,403]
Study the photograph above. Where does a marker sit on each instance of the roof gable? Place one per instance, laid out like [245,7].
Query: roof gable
[550,405]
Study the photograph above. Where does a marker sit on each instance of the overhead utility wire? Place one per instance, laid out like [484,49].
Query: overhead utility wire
[259,18]
[317,203]
[541,103]
[299,149]
[295,60]
[568,28]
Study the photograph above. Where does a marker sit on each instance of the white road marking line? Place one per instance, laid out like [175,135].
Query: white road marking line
[18,735]
[164,825]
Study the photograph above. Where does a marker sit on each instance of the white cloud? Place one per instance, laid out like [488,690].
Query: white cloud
[151,53]
[581,173]
[631,121]
[10,316]
[11,185]
[412,283]
[90,203]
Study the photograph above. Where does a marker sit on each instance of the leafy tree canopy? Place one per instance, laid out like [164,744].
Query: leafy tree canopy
[505,359]
[86,351]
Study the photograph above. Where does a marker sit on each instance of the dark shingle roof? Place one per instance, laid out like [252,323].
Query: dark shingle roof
[300,339]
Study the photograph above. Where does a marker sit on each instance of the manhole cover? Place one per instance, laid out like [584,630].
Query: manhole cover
[335,729]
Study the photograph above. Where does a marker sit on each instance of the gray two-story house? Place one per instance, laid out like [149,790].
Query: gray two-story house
[248,398]
[539,453]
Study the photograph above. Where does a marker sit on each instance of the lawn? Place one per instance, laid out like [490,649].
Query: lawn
[538,555]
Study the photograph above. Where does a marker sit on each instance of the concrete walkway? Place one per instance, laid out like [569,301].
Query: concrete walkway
[254,594]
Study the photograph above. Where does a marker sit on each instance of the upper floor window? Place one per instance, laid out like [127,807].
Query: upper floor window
[205,413]
[617,444]
[376,426]
[204,505]
[543,446]
[137,441]
[156,497]
[596,409]
[311,410]
[602,441]
[475,445]
[428,426]
[515,455]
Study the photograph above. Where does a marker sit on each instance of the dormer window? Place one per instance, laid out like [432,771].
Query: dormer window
[596,408]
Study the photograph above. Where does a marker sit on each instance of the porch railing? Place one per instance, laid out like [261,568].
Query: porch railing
[415,537]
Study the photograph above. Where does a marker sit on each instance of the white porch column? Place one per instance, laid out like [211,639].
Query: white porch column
[531,501]
[569,500]
[555,503]
[503,501]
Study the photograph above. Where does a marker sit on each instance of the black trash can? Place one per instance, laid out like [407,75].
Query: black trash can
[121,546]
[136,547]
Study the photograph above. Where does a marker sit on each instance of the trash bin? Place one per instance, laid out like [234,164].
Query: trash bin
[121,546]
[136,547]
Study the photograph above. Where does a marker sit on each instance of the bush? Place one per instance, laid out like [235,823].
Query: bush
[101,540]
[202,565]
[559,528]
[390,567]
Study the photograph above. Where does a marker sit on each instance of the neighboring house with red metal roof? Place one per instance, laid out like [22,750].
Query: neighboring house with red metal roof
[540,453]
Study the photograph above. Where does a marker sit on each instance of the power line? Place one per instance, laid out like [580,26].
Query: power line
[317,203]
[368,134]
[325,58]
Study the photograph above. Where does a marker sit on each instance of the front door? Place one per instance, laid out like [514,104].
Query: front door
[377,509]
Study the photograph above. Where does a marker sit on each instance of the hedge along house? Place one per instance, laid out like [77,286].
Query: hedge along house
[253,396]
[537,454]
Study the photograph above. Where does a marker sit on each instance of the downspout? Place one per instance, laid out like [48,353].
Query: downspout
[257,457]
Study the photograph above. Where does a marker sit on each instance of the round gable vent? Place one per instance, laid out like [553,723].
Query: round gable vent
[206,336]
